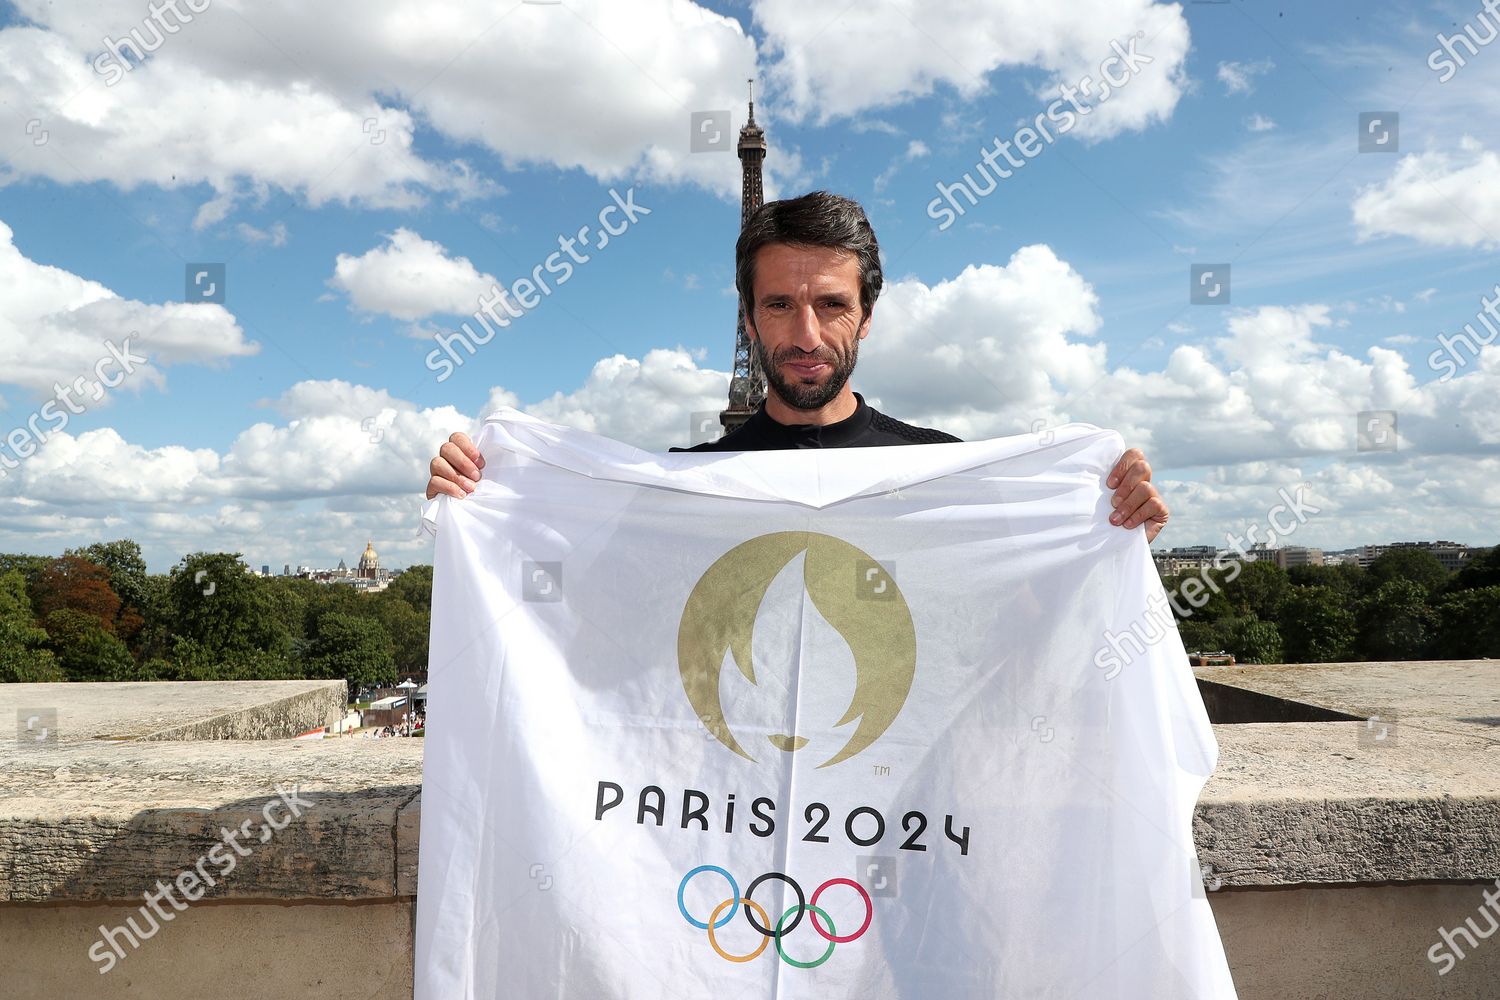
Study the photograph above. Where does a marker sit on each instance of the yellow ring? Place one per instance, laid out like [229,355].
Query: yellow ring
[765,921]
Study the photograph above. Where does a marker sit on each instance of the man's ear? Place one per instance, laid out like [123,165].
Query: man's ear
[750,325]
[864,328]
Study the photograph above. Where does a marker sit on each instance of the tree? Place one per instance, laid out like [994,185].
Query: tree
[1258,590]
[128,578]
[225,609]
[1347,579]
[87,651]
[352,647]
[1470,624]
[76,584]
[1251,640]
[1417,565]
[408,629]
[1395,622]
[24,656]
[1479,570]
[414,586]
[1315,625]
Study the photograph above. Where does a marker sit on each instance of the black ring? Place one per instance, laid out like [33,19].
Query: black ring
[801,904]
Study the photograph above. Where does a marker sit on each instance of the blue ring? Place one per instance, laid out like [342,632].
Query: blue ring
[733,887]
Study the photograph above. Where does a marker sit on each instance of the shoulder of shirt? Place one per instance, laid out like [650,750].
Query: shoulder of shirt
[883,424]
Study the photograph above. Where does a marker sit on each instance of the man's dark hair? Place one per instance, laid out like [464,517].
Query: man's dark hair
[818,219]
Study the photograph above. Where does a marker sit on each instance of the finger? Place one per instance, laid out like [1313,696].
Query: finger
[468,447]
[1135,473]
[1126,460]
[1152,510]
[1128,506]
[442,470]
[447,486]
[454,458]
[1153,528]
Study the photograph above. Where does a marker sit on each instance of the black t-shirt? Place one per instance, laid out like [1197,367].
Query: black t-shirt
[866,427]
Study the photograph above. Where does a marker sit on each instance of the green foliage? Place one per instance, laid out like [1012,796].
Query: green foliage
[414,586]
[87,651]
[1315,626]
[1247,637]
[1416,565]
[1469,624]
[1482,570]
[353,647]
[1395,622]
[24,656]
[1258,590]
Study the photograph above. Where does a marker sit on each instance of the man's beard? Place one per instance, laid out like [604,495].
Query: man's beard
[800,395]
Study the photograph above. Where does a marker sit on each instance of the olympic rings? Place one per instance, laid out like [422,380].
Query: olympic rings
[734,896]
[719,918]
[724,954]
[869,910]
[801,904]
[827,954]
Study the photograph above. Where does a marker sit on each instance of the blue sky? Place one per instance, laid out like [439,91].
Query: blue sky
[432,153]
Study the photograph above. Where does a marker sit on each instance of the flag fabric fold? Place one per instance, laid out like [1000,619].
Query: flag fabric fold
[902,722]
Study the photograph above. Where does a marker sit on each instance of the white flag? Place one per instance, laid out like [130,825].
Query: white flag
[902,722]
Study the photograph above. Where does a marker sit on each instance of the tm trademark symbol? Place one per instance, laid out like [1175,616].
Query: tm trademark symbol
[881,771]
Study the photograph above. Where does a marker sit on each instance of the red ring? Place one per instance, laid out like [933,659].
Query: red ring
[869,910]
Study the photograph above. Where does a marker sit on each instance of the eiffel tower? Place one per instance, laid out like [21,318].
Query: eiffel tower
[747,386]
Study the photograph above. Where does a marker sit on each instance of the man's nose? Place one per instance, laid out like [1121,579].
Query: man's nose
[807,333]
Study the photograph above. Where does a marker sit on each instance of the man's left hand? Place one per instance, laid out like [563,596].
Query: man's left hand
[1135,500]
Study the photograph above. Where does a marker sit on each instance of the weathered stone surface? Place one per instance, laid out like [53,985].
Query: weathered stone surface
[1325,802]
[200,710]
[1452,696]
[106,820]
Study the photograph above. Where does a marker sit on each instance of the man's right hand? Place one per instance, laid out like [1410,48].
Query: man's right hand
[455,471]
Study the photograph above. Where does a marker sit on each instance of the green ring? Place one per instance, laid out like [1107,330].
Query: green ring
[816,962]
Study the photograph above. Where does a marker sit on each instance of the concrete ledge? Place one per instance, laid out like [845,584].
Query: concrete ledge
[146,710]
[99,821]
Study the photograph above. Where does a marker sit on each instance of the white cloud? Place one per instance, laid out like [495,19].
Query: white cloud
[1436,198]
[54,326]
[276,235]
[1259,123]
[1239,77]
[824,63]
[410,278]
[915,150]
[246,98]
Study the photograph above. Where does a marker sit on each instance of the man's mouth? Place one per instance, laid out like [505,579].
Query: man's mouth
[807,368]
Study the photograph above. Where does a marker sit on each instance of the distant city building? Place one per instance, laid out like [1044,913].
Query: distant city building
[369,563]
[265,570]
[1452,555]
[286,570]
[1296,555]
[1188,557]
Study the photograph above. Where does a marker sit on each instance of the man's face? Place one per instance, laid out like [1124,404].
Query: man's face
[805,325]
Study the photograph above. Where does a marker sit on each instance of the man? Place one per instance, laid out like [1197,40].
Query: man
[808,273]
